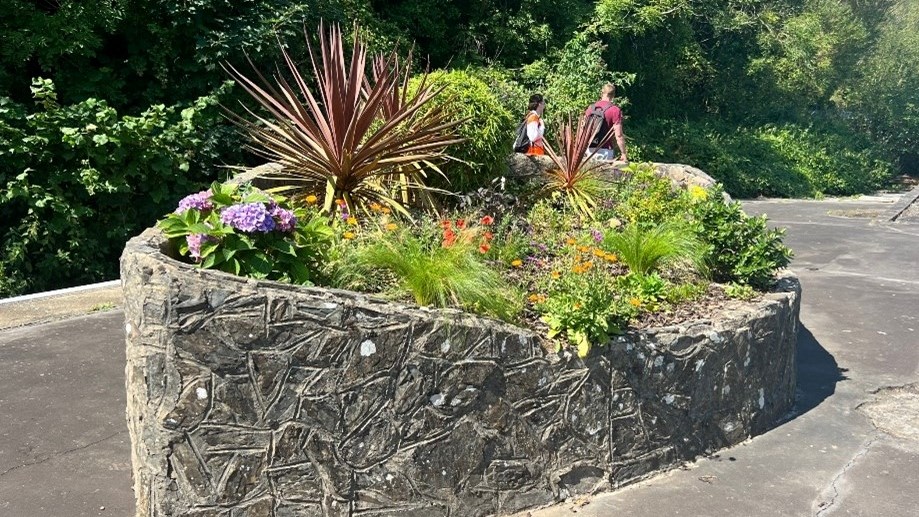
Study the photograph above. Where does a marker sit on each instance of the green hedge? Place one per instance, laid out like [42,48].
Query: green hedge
[786,160]
[76,181]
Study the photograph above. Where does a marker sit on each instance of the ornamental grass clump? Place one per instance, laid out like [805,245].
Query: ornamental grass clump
[646,249]
[247,232]
[447,272]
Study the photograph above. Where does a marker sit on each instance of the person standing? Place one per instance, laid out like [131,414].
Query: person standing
[610,117]
[535,127]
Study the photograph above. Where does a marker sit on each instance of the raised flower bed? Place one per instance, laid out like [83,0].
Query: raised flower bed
[260,398]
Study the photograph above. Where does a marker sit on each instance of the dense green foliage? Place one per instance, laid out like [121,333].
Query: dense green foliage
[773,97]
[76,181]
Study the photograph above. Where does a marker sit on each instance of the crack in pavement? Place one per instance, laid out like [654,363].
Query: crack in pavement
[64,453]
[824,506]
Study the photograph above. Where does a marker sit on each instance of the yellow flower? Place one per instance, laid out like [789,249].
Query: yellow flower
[352,221]
[634,302]
[611,257]
[570,241]
[697,193]
[386,210]
[311,199]
[348,235]
[391,227]
[516,262]
[376,207]
[599,253]
[583,249]
[556,275]
[588,265]
[533,298]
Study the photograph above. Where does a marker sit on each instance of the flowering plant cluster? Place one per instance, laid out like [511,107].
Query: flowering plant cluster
[245,231]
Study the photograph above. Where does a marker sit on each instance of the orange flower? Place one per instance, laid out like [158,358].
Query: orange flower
[611,257]
[348,235]
[352,221]
[311,199]
[386,210]
[449,238]
[487,220]
[556,275]
[588,265]
[534,298]
[375,207]
[635,302]
[577,306]
[460,223]
[583,249]
[391,227]
[445,224]
[570,241]
[599,253]
[516,262]
[484,247]
[340,202]
[487,236]
[578,269]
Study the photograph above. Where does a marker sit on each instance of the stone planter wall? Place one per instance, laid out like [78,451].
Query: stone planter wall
[253,399]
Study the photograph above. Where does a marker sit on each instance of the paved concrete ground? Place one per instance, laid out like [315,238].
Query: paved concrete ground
[64,449]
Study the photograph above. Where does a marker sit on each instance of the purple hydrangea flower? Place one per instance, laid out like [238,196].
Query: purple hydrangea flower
[199,201]
[248,217]
[596,234]
[195,241]
[285,219]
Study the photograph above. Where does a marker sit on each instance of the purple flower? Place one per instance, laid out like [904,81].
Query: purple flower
[596,234]
[285,219]
[199,201]
[248,217]
[195,240]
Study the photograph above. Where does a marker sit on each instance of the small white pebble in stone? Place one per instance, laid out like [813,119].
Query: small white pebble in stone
[699,364]
[389,477]
[443,472]
[669,398]
[438,399]
[368,348]
[445,346]
[762,399]
[127,328]
[881,332]
[251,336]
[201,393]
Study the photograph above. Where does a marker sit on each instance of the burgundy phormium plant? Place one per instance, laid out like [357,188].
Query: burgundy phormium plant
[575,173]
[348,140]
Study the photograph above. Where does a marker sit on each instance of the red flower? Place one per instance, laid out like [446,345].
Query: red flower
[484,247]
[487,220]
[461,223]
[445,224]
[487,236]
[449,238]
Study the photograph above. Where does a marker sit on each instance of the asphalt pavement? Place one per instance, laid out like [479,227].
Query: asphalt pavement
[851,446]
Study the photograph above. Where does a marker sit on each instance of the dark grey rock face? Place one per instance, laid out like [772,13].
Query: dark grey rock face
[253,399]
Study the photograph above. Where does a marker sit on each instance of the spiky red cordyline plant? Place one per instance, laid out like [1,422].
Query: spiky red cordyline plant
[338,142]
[575,174]
[410,175]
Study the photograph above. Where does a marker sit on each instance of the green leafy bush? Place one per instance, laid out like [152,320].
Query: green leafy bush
[77,181]
[739,248]
[642,197]
[487,128]
[247,232]
[785,160]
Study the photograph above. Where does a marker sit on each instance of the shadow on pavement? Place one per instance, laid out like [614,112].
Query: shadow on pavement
[817,372]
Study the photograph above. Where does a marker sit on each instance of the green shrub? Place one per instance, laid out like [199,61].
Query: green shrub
[739,248]
[488,130]
[785,160]
[642,197]
[77,181]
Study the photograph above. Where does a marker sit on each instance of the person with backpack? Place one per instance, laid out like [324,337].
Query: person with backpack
[608,118]
[530,132]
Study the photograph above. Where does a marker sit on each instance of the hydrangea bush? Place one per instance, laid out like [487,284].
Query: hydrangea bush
[245,231]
